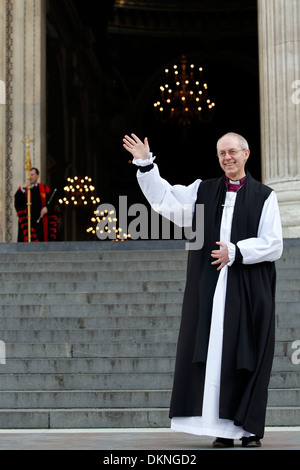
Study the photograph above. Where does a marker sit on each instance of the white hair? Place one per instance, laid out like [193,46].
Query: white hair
[242,141]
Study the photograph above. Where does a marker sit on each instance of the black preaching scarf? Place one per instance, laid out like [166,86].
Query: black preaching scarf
[249,312]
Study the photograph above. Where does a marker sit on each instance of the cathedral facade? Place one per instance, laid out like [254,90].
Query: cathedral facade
[44,88]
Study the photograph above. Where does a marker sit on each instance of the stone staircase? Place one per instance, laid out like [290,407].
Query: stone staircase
[284,391]
[90,332]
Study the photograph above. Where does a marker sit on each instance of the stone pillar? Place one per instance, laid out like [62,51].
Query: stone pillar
[2,118]
[22,68]
[279,56]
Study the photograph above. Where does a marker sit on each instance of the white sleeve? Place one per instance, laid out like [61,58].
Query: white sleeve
[176,203]
[268,244]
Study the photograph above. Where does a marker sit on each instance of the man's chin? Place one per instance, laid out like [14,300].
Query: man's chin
[231,175]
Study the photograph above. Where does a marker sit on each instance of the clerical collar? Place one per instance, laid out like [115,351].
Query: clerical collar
[234,186]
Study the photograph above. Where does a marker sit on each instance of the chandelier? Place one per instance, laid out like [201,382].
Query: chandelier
[79,192]
[110,228]
[184,95]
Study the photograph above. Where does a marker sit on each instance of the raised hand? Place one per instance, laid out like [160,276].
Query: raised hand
[136,147]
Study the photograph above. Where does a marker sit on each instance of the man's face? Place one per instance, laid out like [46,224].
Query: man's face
[232,157]
[33,177]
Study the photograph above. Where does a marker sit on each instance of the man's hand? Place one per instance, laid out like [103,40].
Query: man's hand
[43,211]
[26,184]
[221,255]
[136,147]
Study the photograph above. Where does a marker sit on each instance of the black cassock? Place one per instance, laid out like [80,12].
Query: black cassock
[46,228]
[249,317]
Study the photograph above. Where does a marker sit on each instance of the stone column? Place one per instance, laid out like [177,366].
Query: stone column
[22,65]
[2,117]
[279,56]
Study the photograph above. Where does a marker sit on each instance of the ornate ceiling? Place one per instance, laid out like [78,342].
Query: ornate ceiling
[192,18]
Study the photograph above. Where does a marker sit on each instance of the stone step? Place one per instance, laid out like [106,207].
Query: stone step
[163,309]
[89,251]
[57,399]
[284,363]
[92,266]
[101,258]
[102,349]
[100,253]
[284,307]
[291,248]
[97,275]
[283,416]
[285,379]
[122,255]
[93,257]
[71,298]
[288,289]
[160,263]
[88,365]
[284,277]
[109,335]
[87,381]
[116,418]
[89,323]
[289,284]
[117,321]
[108,365]
[51,298]
[290,273]
[107,292]
[288,320]
[116,381]
[287,263]
[85,399]
[84,418]
[283,397]
[287,334]
[113,334]
[284,348]
[285,295]
[107,349]
[73,350]
[118,287]
[31,254]
[98,317]
[90,332]
[109,309]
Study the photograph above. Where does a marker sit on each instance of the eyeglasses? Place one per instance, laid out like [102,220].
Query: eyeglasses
[231,152]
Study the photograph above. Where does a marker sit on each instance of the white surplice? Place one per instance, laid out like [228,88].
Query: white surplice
[267,246]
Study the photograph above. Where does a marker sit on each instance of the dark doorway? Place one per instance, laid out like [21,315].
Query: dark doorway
[105,62]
